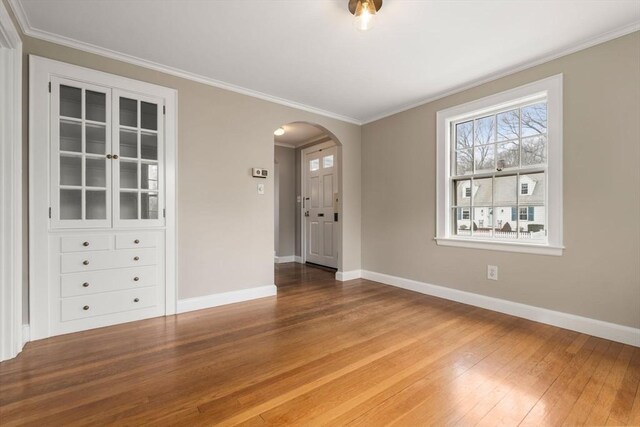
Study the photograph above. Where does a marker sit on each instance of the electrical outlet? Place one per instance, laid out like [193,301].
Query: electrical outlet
[492,272]
[260,188]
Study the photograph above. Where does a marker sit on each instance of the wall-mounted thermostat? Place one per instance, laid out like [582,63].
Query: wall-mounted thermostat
[259,173]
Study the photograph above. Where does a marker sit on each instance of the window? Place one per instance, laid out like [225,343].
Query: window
[314,164]
[499,171]
[327,161]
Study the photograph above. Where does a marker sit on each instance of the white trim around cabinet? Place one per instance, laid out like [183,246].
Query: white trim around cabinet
[585,325]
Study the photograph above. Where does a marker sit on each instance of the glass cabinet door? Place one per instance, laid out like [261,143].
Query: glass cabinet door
[138,150]
[80,151]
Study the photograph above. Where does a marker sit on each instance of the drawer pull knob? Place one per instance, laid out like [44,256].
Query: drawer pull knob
[85,244]
[115,157]
[136,300]
[136,241]
[85,262]
[136,258]
[85,285]
[135,279]
[86,307]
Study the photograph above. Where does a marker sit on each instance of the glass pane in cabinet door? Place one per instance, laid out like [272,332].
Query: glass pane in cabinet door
[70,136]
[128,112]
[96,204]
[96,106]
[149,205]
[149,146]
[128,143]
[149,176]
[149,115]
[70,170]
[128,174]
[96,173]
[70,204]
[70,101]
[96,137]
[128,205]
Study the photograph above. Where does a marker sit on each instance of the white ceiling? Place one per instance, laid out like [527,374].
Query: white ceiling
[299,133]
[307,51]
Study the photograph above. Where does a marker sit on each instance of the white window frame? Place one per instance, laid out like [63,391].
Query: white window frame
[549,88]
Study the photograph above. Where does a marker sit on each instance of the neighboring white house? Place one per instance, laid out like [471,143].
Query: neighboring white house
[507,206]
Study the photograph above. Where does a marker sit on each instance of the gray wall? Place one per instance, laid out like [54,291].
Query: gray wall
[286,229]
[599,274]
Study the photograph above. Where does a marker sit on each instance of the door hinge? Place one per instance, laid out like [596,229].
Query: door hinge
[49,212]
[164,213]
[49,87]
[164,110]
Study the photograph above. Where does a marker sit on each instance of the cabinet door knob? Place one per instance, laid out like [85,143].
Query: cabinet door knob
[85,243]
[85,285]
[109,156]
[136,300]
[135,279]
[115,157]
[85,262]
[136,241]
[136,258]
[86,307]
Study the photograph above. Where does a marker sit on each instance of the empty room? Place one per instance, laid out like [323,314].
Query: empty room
[319,212]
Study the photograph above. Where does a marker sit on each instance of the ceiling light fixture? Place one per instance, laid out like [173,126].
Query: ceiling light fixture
[279,131]
[364,13]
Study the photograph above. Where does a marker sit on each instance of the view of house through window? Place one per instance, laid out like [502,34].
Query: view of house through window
[498,174]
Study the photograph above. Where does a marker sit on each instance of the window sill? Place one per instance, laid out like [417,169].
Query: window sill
[527,248]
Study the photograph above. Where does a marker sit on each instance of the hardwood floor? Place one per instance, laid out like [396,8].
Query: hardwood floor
[325,353]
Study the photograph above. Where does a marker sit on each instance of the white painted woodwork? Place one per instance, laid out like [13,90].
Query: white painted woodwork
[97,261]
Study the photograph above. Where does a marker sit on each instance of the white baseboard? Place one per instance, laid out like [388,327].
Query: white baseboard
[298,259]
[26,334]
[598,328]
[215,300]
[343,276]
[283,259]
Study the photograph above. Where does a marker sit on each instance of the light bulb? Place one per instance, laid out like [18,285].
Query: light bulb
[279,131]
[365,15]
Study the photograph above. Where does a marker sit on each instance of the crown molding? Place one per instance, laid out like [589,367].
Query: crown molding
[29,30]
[282,144]
[602,38]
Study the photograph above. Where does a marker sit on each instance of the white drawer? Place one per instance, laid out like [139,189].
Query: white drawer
[107,303]
[135,240]
[103,260]
[85,243]
[91,282]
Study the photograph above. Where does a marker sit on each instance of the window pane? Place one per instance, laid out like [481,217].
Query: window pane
[128,174]
[463,190]
[128,143]
[485,158]
[70,136]
[533,226]
[96,205]
[70,101]
[128,112]
[485,130]
[464,162]
[534,151]
[96,173]
[508,125]
[149,115]
[314,164]
[149,205]
[96,106]
[96,137]
[149,176]
[70,204]
[508,155]
[536,189]
[464,135]
[70,170]
[534,119]
[128,205]
[149,146]
[327,161]
[483,221]
[505,190]
[462,221]
[505,222]
[482,191]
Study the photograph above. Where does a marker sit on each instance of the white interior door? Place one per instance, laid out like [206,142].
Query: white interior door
[320,204]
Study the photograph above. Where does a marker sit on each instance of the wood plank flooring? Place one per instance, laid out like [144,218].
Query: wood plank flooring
[325,353]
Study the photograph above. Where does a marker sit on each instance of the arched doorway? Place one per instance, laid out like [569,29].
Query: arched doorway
[313,204]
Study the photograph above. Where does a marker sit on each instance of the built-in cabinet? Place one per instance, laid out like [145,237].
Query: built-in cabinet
[107,145]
